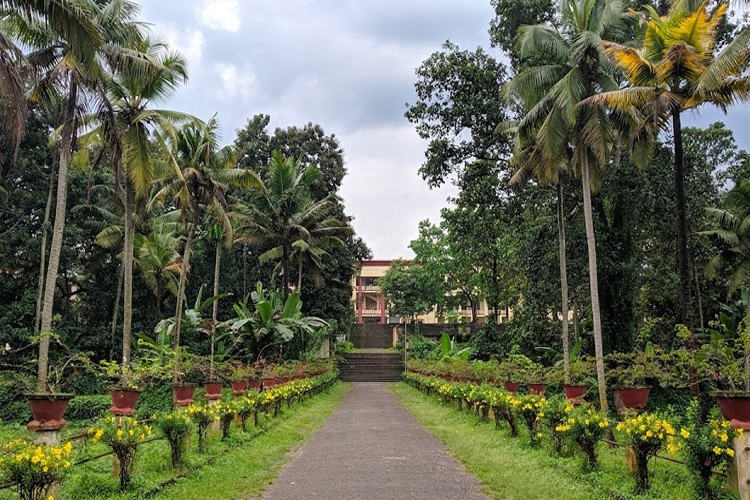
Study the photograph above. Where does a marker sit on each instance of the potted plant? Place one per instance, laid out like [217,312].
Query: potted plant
[576,386]
[630,375]
[214,372]
[515,370]
[725,362]
[241,374]
[537,380]
[126,386]
[48,407]
[182,391]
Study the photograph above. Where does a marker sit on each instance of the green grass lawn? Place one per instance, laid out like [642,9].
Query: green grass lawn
[241,467]
[509,469]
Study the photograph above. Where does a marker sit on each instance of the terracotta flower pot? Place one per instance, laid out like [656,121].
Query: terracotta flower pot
[735,407]
[537,388]
[511,386]
[633,398]
[575,393]
[123,401]
[239,387]
[48,411]
[254,385]
[270,382]
[183,394]
[213,390]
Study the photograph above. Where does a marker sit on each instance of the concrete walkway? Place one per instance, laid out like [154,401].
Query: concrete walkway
[372,448]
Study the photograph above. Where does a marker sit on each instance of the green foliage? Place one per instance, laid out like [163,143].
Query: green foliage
[409,289]
[88,408]
[154,399]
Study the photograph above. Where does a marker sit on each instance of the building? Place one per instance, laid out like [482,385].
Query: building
[370,306]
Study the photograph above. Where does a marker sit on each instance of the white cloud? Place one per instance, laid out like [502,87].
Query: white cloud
[384,191]
[190,43]
[236,83]
[220,14]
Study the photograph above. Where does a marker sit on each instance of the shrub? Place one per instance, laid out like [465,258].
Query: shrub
[586,426]
[556,411]
[175,427]
[647,434]
[203,415]
[707,447]
[87,408]
[153,400]
[531,406]
[34,468]
[122,435]
[13,405]
[227,411]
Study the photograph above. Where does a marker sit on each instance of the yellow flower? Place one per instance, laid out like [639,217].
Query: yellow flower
[684,433]
[717,450]
[730,452]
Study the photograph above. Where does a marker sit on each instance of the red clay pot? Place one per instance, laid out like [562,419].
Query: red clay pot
[48,411]
[575,393]
[183,394]
[123,401]
[736,408]
[213,390]
[511,386]
[633,398]
[268,383]
[254,385]
[239,387]
[537,388]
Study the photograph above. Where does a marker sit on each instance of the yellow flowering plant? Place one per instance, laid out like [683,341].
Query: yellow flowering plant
[708,446]
[175,427]
[530,407]
[203,415]
[504,405]
[556,411]
[586,426]
[122,435]
[648,433]
[247,405]
[34,468]
[227,410]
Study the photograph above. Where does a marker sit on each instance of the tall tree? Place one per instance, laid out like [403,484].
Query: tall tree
[555,129]
[283,212]
[201,174]
[675,68]
[128,124]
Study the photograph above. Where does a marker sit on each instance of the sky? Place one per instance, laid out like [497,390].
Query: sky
[347,65]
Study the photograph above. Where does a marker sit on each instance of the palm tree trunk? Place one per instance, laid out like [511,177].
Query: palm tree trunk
[299,274]
[127,265]
[180,300]
[215,312]
[593,281]
[43,250]
[563,280]
[66,150]
[285,271]
[682,229]
[159,297]
[116,313]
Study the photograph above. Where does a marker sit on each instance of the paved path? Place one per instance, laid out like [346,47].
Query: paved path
[372,448]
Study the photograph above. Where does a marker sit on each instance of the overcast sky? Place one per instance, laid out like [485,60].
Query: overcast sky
[347,65]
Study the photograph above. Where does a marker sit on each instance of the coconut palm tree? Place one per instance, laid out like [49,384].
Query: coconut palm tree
[283,213]
[555,131]
[130,126]
[69,59]
[158,258]
[675,68]
[201,173]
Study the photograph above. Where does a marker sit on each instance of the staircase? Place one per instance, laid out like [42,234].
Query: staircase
[371,367]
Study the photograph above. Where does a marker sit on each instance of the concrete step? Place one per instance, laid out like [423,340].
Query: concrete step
[371,367]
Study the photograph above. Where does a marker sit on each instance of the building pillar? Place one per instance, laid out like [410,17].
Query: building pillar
[382,310]
[359,300]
